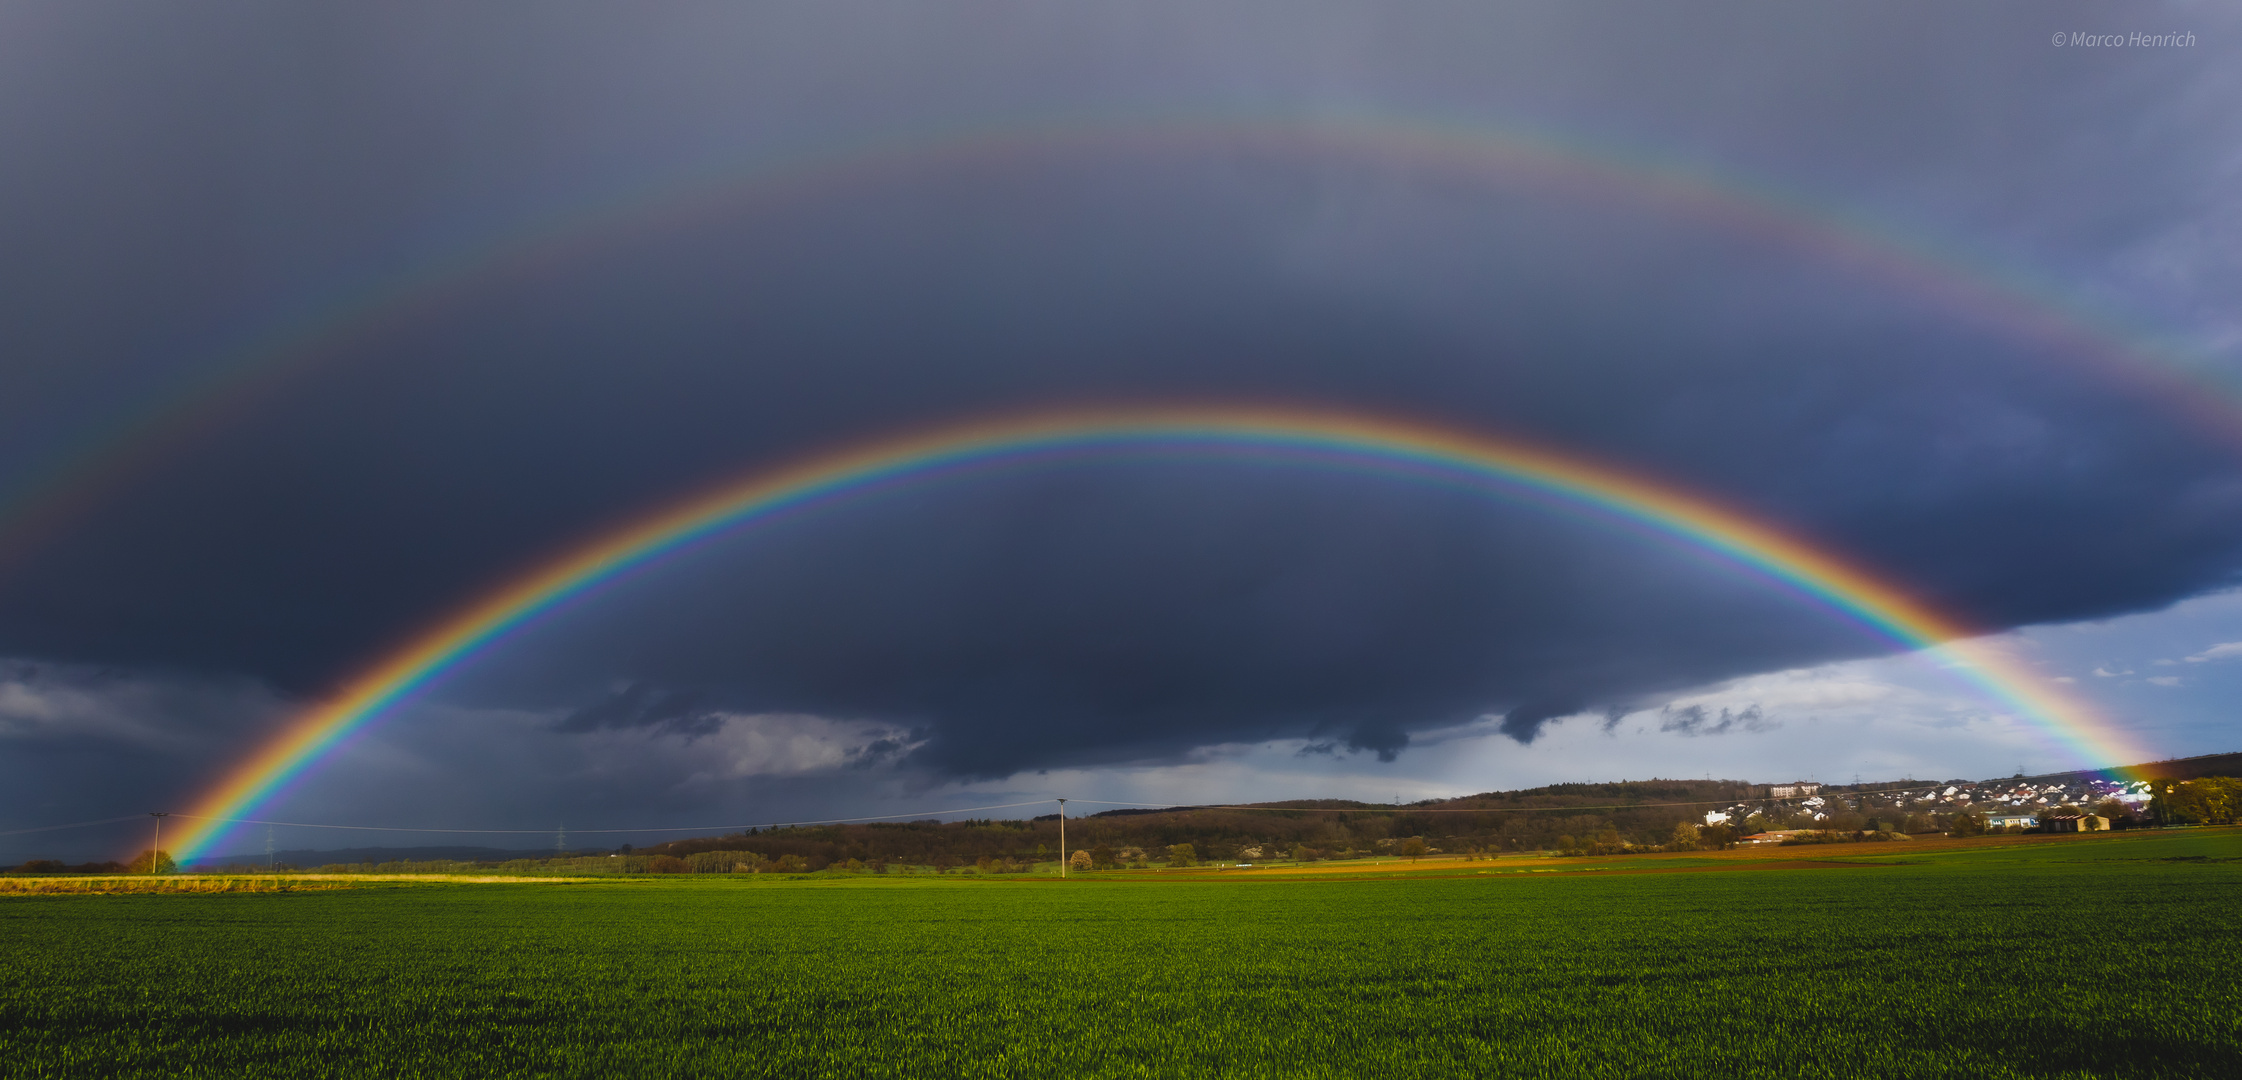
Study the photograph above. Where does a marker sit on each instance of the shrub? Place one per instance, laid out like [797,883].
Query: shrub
[724,862]
[1832,836]
[152,862]
[2210,800]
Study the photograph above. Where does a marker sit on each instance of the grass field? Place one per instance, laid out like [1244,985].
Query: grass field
[2116,956]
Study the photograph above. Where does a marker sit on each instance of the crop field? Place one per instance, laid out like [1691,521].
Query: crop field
[2118,956]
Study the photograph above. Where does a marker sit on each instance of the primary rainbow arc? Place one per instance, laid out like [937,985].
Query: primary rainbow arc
[1447,454]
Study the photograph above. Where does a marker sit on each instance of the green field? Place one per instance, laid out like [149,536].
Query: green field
[2100,957]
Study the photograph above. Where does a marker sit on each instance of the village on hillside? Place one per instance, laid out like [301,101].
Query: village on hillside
[2014,805]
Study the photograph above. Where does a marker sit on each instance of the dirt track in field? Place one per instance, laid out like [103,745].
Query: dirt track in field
[1766,857]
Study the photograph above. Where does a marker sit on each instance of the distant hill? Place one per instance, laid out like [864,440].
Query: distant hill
[2187,768]
[1495,820]
[308,857]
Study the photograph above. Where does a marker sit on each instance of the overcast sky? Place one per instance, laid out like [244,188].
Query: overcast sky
[631,252]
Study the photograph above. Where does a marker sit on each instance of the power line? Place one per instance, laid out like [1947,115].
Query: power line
[74,825]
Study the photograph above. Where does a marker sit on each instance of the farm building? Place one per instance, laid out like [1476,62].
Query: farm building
[1774,837]
[2075,823]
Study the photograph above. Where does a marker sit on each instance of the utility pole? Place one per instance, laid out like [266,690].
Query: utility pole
[560,841]
[1062,838]
[269,861]
[155,854]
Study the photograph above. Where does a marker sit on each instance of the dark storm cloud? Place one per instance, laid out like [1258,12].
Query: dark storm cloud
[177,182]
[639,705]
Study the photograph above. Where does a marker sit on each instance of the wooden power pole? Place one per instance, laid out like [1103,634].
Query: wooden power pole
[155,854]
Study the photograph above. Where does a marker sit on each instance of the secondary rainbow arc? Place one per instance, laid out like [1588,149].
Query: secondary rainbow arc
[1506,464]
[78,476]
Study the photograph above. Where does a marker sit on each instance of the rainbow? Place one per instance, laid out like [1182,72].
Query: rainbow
[81,474]
[1412,449]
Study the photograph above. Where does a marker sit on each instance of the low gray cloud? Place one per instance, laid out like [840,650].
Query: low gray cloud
[1695,720]
[1525,722]
[83,742]
[45,705]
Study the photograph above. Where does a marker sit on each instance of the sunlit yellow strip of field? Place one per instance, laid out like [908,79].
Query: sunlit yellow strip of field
[198,883]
